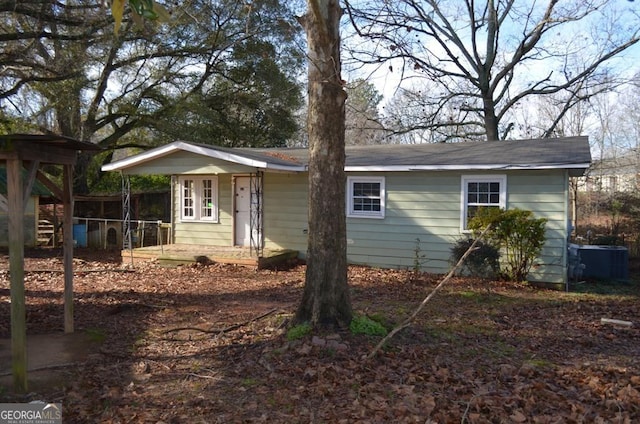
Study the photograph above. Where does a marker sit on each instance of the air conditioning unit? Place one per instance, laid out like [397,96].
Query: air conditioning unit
[603,262]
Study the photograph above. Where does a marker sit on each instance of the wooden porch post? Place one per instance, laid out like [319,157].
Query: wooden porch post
[15,196]
[67,246]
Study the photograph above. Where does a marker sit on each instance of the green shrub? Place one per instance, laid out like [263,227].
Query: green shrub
[517,233]
[298,331]
[484,262]
[364,325]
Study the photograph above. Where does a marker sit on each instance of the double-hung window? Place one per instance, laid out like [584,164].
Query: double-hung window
[198,198]
[365,197]
[481,191]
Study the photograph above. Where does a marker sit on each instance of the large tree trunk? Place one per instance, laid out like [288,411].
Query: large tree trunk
[81,173]
[325,301]
[490,119]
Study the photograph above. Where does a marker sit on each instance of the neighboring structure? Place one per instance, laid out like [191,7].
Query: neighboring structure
[402,200]
[31,211]
[100,217]
[612,175]
[148,205]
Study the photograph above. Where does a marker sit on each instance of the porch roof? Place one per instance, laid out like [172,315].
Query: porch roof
[571,153]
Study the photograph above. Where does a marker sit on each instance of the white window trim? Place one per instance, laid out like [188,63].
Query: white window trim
[198,179]
[360,214]
[499,178]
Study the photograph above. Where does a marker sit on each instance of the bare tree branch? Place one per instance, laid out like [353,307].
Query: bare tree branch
[494,50]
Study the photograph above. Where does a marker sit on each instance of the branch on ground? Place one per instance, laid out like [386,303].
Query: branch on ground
[221,330]
[412,317]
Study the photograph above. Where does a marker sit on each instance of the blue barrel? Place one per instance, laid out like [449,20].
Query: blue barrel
[80,235]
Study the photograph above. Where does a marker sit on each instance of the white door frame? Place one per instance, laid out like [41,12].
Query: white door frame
[247,212]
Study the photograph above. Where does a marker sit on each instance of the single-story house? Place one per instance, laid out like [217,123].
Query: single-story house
[401,199]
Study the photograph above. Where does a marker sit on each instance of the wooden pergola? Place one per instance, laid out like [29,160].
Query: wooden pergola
[30,151]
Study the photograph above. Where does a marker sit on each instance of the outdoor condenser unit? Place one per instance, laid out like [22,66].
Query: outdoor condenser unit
[604,262]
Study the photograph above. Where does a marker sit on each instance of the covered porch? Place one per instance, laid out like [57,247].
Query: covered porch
[185,254]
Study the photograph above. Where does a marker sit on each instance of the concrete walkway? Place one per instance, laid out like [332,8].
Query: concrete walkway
[49,358]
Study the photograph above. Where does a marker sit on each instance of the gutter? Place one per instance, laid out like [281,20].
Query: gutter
[488,167]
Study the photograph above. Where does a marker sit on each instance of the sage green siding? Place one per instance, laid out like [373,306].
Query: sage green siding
[285,211]
[207,233]
[181,162]
[284,214]
[546,193]
[423,213]
[422,220]
[421,223]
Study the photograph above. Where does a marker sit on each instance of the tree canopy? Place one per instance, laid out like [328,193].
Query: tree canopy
[65,70]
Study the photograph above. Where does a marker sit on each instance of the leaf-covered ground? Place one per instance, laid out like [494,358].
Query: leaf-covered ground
[208,344]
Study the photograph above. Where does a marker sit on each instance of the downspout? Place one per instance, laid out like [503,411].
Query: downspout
[565,251]
[172,212]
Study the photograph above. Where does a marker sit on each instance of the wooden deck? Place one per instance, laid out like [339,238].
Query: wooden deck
[181,254]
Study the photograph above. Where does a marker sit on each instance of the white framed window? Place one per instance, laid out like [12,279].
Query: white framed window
[198,198]
[365,197]
[478,191]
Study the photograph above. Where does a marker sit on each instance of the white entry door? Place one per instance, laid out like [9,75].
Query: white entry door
[242,216]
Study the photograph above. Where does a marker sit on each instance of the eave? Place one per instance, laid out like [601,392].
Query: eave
[168,149]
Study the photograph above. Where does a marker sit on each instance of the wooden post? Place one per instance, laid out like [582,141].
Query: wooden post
[28,184]
[16,269]
[55,224]
[67,246]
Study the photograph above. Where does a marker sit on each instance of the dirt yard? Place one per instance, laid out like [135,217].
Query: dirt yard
[208,344]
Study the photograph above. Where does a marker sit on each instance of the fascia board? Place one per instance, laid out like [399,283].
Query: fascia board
[404,168]
[200,150]
[143,157]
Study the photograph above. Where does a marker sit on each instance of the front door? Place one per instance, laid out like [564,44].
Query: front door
[242,217]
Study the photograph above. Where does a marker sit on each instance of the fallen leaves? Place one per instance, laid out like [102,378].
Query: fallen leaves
[516,354]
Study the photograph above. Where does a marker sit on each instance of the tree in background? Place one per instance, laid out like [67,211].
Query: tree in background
[252,105]
[609,190]
[483,59]
[578,120]
[404,119]
[65,71]
[363,123]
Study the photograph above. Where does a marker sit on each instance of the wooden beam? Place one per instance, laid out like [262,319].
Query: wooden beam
[28,183]
[43,153]
[67,246]
[16,270]
[53,188]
